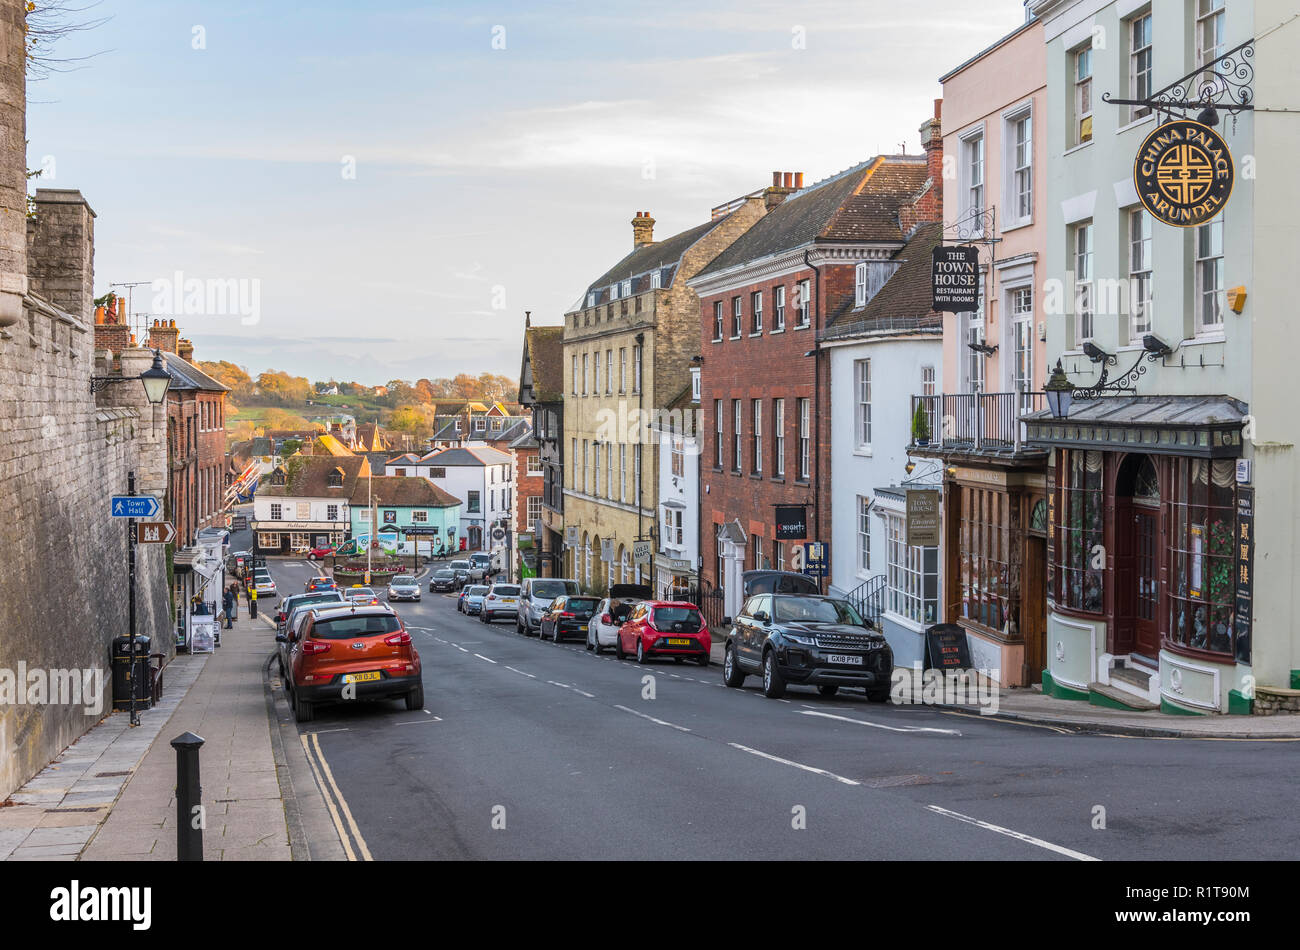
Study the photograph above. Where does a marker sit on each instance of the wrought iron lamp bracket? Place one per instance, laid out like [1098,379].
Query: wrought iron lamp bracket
[1124,383]
[1223,84]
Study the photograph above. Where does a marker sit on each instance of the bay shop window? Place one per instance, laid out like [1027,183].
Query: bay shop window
[1074,581]
[1202,571]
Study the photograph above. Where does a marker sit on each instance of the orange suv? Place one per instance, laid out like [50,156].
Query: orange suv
[346,653]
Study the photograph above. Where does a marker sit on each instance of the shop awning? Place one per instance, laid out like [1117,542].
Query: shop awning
[1196,426]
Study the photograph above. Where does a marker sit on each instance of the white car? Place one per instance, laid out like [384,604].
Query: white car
[501,599]
[602,630]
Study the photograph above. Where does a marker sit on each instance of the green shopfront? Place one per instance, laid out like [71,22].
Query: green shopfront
[1149,553]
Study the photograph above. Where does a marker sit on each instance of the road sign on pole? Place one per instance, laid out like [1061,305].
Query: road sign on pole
[155,532]
[135,506]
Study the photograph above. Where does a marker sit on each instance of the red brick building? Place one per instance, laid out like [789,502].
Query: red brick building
[529,489]
[765,385]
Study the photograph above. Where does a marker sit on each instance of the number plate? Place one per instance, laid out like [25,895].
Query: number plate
[508,600]
[360,677]
[679,642]
[844,659]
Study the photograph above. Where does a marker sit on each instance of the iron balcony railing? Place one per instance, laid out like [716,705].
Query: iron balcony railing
[976,421]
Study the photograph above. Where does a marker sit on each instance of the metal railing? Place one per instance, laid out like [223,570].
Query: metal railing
[978,421]
[868,599]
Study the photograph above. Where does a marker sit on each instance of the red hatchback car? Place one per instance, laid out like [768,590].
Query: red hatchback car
[346,653]
[665,628]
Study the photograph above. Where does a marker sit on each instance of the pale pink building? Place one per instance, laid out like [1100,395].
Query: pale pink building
[994,490]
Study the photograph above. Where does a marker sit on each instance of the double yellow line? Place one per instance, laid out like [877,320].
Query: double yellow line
[325,779]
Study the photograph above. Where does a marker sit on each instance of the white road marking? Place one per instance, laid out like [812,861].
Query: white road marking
[584,693]
[1018,835]
[426,712]
[482,657]
[412,721]
[460,648]
[561,685]
[653,719]
[797,765]
[521,672]
[876,725]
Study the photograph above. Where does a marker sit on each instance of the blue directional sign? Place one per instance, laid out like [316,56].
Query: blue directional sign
[135,506]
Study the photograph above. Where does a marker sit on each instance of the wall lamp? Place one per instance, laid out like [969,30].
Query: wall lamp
[155,380]
[1097,354]
[1156,346]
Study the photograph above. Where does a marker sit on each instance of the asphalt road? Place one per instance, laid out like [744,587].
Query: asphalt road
[535,750]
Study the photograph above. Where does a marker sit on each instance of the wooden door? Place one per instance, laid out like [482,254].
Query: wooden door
[1146,597]
[1033,610]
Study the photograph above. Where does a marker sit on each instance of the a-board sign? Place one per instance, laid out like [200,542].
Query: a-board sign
[946,647]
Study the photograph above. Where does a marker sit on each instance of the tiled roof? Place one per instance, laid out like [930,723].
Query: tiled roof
[185,375]
[904,302]
[649,257]
[401,491]
[307,476]
[544,351]
[859,204]
[477,455]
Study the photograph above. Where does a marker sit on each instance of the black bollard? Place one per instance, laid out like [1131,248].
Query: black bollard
[190,818]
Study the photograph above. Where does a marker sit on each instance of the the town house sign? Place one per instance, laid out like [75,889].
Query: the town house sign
[1183,173]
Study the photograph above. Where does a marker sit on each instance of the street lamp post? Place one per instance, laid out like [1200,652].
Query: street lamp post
[1060,393]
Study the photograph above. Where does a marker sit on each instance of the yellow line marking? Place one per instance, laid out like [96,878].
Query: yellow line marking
[329,802]
[347,812]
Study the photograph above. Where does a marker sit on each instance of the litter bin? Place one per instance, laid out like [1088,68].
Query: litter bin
[124,670]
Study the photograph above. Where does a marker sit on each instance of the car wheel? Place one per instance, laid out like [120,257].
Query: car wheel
[588,641]
[828,690]
[878,695]
[773,684]
[641,656]
[302,710]
[415,698]
[679,659]
[732,674]
[618,647]
[519,627]
[703,659]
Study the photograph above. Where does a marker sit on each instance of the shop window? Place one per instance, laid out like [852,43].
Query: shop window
[1202,592]
[985,555]
[1079,531]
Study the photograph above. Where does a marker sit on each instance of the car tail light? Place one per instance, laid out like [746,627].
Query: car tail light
[310,647]
[604,618]
[566,614]
[401,638]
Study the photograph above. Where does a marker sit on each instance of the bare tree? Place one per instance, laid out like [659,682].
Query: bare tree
[48,22]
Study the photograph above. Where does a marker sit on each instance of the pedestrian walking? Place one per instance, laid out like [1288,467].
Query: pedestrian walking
[228,604]
[252,602]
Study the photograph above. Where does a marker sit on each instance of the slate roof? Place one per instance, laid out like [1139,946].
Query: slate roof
[308,476]
[186,376]
[544,352]
[859,204]
[403,491]
[477,455]
[367,434]
[649,257]
[904,302]
[525,440]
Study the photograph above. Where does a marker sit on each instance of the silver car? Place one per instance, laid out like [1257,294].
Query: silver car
[472,602]
[403,587]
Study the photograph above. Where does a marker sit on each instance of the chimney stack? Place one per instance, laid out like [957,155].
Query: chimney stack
[163,335]
[643,227]
[185,350]
[61,251]
[931,207]
[783,183]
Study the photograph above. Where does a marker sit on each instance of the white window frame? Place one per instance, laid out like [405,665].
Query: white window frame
[613,292]
[655,279]
[622,472]
[930,387]
[756,410]
[584,374]
[609,372]
[778,438]
[595,452]
[719,320]
[1210,15]
[1139,273]
[803,316]
[636,369]
[860,284]
[1082,246]
[1022,341]
[625,290]
[973,328]
[805,439]
[778,313]
[756,313]
[719,435]
[595,373]
[973,179]
[575,379]
[862,404]
[622,369]
[906,573]
[864,536]
[1081,96]
[533,510]
[1209,296]
[737,316]
[1140,63]
[1018,163]
[737,432]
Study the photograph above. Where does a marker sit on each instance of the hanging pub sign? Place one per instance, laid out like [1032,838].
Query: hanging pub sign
[955,278]
[922,517]
[1183,173]
[791,522]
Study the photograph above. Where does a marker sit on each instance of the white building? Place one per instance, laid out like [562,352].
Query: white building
[304,503]
[892,345]
[678,549]
[481,477]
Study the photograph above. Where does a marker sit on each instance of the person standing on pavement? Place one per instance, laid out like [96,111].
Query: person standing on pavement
[252,602]
[228,604]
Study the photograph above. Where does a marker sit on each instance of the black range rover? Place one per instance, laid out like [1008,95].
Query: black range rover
[806,639]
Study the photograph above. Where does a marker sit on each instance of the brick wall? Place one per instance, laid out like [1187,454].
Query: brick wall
[526,486]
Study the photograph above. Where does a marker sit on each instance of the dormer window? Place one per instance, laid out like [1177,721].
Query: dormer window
[457,425]
[613,291]
[626,289]
[655,278]
[277,477]
[480,425]
[591,299]
[336,478]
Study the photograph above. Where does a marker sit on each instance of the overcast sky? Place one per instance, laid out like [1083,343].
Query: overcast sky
[392,191]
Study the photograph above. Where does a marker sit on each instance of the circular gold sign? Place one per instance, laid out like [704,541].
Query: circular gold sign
[1183,173]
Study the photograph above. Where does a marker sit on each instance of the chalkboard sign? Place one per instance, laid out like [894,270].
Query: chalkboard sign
[946,647]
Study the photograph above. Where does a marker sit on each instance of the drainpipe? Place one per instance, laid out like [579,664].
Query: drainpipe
[640,471]
[816,403]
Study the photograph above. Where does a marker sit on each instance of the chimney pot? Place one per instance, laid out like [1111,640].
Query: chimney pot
[798,179]
[776,179]
[788,179]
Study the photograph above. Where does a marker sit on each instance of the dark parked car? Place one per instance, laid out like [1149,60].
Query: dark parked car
[812,640]
[443,579]
[567,617]
[463,570]
[777,582]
